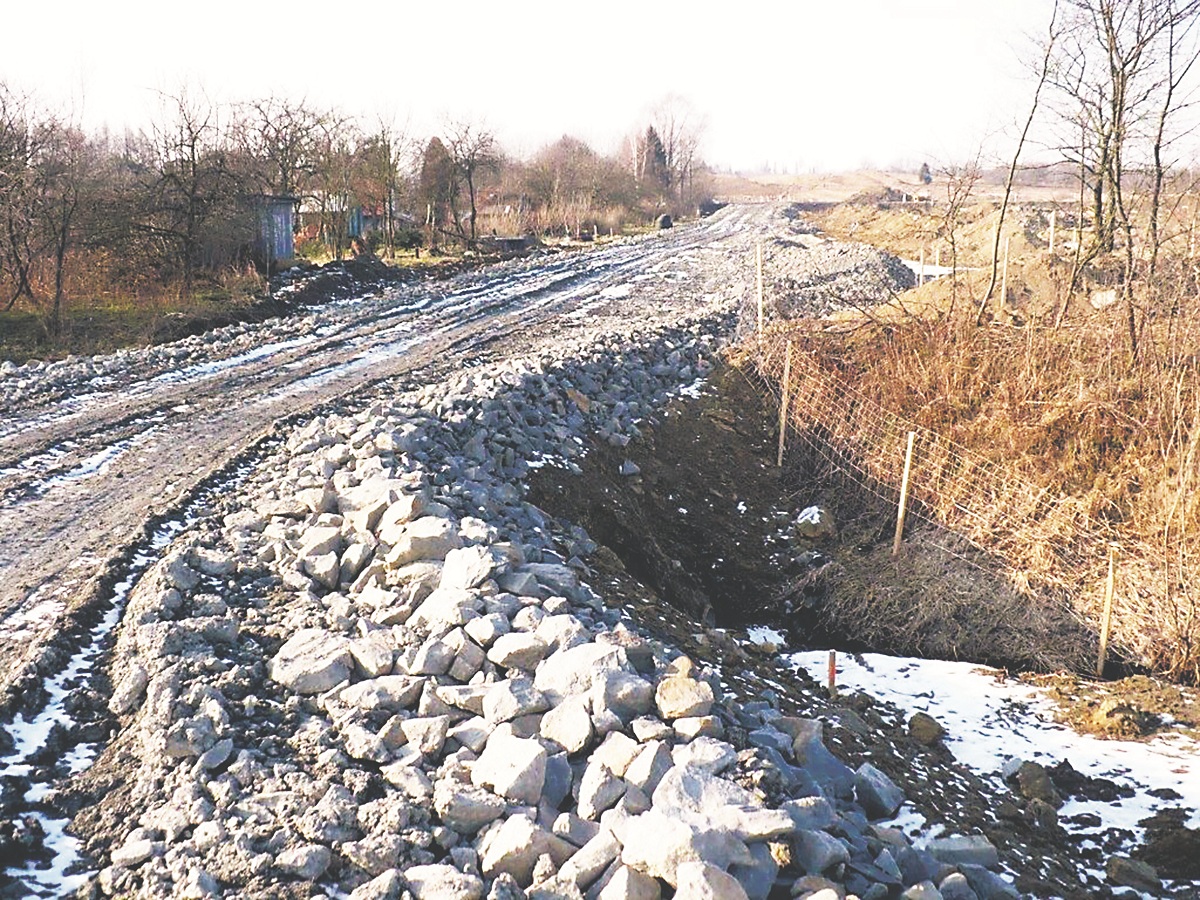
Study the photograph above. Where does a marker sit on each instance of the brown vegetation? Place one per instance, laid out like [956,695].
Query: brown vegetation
[1040,445]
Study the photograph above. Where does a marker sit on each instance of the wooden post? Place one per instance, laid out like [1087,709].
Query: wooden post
[921,277]
[1053,215]
[908,455]
[758,267]
[1004,278]
[783,404]
[937,255]
[832,673]
[1106,622]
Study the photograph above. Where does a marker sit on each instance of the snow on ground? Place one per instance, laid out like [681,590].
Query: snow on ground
[990,720]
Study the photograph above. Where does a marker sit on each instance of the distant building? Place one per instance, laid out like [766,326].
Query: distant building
[275,225]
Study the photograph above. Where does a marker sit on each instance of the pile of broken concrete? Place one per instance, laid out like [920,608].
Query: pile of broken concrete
[376,672]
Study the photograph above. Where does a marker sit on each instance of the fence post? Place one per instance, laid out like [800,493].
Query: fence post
[921,277]
[908,455]
[1004,279]
[1053,214]
[1106,622]
[832,673]
[783,405]
[758,267]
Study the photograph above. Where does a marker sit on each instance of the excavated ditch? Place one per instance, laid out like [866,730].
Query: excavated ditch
[696,517]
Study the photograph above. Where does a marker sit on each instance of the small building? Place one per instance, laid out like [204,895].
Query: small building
[275,225]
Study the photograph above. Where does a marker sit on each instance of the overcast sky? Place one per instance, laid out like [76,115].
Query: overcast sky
[805,84]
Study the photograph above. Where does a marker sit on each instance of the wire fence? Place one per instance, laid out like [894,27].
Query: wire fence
[1049,546]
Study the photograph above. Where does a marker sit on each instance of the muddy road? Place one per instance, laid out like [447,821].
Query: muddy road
[89,461]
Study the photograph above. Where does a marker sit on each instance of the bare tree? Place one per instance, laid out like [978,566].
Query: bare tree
[194,197]
[475,153]
[1042,76]
[679,126]
[1118,56]
[383,158]
[283,136]
[43,171]
[960,185]
[1180,50]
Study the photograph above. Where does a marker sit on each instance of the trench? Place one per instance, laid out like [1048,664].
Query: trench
[703,521]
[708,523]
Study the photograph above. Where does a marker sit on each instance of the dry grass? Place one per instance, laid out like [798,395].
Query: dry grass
[1040,446]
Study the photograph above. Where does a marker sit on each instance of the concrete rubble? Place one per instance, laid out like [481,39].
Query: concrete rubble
[410,689]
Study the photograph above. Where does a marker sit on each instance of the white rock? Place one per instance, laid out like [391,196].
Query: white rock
[572,671]
[657,843]
[591,860]
[709,802]
[518,650]
[431,537]
[514,847]
[677,696]
[569,724]
[701,881]
[311,661]
[630,884]
[465,807]
[442,882]
[468,567]
[512,767]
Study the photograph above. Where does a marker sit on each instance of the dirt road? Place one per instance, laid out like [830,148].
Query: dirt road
[83,476]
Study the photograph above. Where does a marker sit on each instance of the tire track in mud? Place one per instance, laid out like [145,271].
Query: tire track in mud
[59,534]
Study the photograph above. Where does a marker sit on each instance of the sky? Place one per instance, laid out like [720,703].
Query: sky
[805,85]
